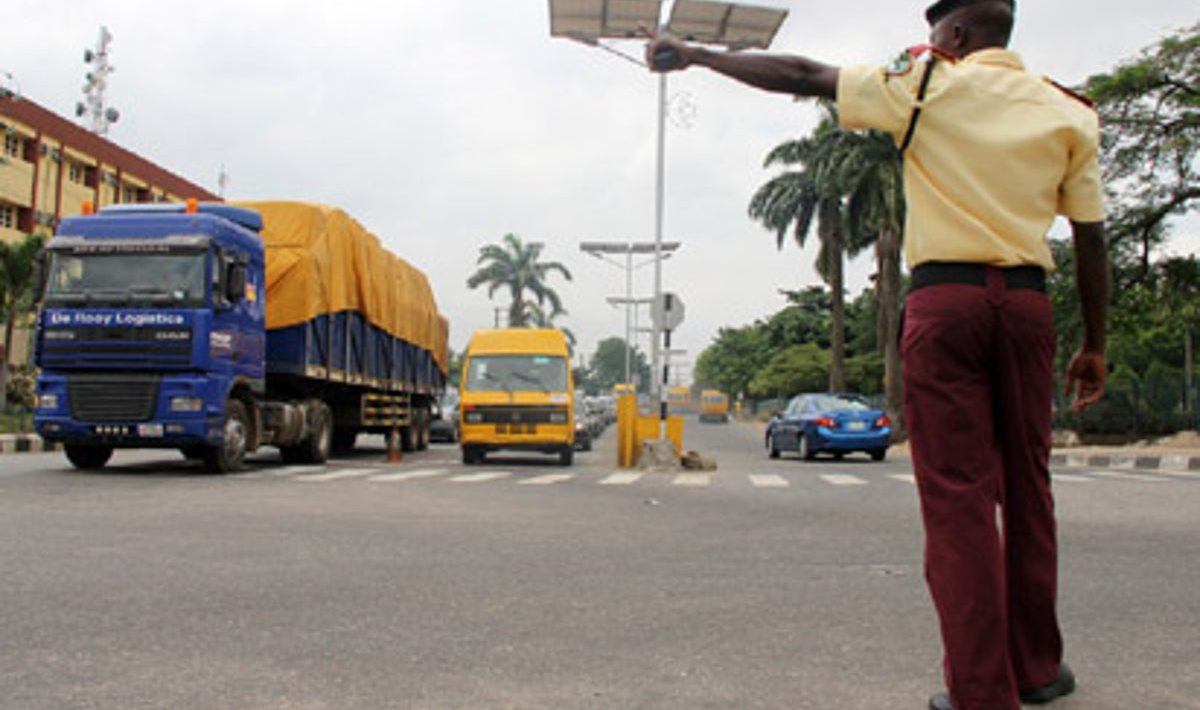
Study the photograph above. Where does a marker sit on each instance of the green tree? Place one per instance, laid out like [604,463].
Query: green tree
[792,200]
[799,368]
[607,365]
[732,359]
[17,266]
[1150,140]
[515,265]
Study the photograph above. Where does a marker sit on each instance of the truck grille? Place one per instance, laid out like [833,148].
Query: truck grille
[116,347]
[97,397]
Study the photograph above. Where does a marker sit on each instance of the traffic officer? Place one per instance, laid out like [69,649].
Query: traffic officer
[992,153]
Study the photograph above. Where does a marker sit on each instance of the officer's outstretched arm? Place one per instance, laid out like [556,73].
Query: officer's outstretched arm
[785,74]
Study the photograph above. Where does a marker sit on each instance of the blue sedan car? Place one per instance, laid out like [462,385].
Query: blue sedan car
[836,423]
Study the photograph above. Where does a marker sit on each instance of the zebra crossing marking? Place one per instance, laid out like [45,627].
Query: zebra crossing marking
[479,477]
[546,480]
[1069,478]
[407,475]
[620,478]
[334,475]
[903,478]
[842,479]
[695,480]
[768,480]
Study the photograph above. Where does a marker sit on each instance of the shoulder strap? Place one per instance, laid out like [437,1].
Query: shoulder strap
[916,112]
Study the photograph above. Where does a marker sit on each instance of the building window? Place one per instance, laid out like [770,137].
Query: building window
[8,217]
[129,194]
[12,146]
[77,173]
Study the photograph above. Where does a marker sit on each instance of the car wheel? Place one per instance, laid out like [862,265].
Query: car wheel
[772,450]
[806,450]
[878,454]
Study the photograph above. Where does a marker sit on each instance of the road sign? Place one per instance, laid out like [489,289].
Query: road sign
[667,312]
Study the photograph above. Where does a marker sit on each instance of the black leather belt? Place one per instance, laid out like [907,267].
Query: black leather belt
[1032,278]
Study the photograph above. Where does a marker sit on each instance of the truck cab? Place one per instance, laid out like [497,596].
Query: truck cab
[151,322]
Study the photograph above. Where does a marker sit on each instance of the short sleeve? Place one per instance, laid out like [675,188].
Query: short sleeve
[1081,196]
[875,97]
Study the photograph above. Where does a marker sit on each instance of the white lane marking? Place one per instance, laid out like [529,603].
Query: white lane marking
[620,478]
[842,479]
[1180,474]
[692,479]
[406,475]
[480,477]
[1129,476]
[335,475]
[292,470]
[1069,478]
[904,478]
[768,480]
[547,480]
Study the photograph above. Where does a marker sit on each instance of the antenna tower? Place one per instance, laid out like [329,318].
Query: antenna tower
[100,116]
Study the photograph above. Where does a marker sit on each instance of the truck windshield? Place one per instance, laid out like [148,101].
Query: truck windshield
[508,373]
[116,279]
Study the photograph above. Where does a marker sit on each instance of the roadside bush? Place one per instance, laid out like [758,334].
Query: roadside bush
[19,388]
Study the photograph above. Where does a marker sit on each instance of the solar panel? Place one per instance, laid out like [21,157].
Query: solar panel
[590,20]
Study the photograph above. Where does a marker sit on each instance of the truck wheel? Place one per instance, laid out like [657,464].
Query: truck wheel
[409,437]
[567,456]
[423,432]
[471,455]
[87,457]
[231,454]
[316,446]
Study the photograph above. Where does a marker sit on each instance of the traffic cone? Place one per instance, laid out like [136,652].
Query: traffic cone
[394,453]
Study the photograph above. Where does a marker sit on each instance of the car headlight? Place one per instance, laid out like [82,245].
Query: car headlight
[47,401]
[186,404]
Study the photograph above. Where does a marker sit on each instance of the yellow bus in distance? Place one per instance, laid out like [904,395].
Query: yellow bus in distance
[714,406]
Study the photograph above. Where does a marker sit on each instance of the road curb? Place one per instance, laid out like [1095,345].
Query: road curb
[1169,462]
[26,444]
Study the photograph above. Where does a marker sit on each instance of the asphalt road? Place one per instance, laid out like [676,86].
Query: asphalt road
[521,584]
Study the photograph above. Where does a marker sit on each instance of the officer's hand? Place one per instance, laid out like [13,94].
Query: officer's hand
[1085,377]
[666,52]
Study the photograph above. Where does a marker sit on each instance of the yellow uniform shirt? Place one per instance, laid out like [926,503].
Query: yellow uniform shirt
[997,153]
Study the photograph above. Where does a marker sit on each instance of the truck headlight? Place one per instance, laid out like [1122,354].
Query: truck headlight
[558,417]
[186,404]
[473,417]
[47,401]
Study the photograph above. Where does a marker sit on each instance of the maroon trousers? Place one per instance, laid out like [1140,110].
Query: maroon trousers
[978,383]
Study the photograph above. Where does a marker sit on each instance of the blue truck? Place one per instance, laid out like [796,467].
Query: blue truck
[157,330]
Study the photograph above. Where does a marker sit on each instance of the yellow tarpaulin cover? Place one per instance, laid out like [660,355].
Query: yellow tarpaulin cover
[321,261]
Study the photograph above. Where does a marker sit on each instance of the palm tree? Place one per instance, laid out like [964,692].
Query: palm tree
[537,317]
[513,264]
[872,173]
[793,199]
[17,263]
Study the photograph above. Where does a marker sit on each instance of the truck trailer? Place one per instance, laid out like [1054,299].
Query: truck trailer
[218,328]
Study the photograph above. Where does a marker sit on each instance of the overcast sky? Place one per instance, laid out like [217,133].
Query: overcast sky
[443,125]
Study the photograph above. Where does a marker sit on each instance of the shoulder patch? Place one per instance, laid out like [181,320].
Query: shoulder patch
[901,65]
[1078,97]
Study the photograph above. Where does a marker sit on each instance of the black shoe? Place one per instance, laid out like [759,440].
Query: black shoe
[940,701]
[1063,684]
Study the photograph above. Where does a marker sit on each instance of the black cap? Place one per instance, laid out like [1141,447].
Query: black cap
[941,8]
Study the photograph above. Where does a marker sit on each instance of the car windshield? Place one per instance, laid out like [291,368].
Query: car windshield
[839,403]
[509,373]
[123,279]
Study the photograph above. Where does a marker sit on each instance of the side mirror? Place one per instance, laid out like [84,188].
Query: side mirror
[235,283]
